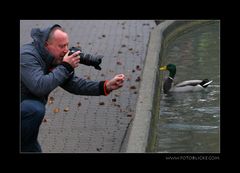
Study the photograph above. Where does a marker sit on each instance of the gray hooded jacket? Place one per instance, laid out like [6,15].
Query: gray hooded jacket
[37,81]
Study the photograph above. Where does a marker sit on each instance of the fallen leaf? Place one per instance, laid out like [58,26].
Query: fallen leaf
[119,63]
[138,79]
[117,105]
[101,103]
[133,87]
[51,100]
[44,120]
[79,104]
[56,110]
[138,67]
[66,109]
[99,149]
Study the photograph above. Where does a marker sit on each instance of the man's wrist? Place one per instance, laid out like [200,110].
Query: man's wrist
[67,66]
[106,88]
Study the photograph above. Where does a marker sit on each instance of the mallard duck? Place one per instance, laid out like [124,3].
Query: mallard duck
[185,86]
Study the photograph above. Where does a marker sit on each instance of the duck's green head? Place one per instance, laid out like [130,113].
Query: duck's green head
[171,68]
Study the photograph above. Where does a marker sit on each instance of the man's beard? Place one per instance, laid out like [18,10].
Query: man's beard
[57,61]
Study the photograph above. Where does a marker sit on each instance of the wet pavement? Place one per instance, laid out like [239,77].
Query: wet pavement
[80,124]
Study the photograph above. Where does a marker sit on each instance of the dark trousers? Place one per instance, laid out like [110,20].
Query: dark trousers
[32,113]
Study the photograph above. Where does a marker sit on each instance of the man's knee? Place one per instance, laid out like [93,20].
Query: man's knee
[40,111]
[32,107]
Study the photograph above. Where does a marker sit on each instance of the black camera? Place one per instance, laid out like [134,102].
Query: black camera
[87,59]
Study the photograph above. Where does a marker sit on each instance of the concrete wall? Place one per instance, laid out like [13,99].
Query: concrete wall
[143,131]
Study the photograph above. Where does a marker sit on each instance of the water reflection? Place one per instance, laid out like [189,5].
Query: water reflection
[190,122]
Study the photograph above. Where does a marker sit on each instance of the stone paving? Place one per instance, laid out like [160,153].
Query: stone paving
[95,124]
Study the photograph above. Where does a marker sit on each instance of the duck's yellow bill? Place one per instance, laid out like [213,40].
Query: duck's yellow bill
[163,68]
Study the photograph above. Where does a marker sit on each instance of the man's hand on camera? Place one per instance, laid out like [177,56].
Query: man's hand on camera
[115,83]
[73,59]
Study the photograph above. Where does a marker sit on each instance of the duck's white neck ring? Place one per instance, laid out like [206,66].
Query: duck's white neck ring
[170,78]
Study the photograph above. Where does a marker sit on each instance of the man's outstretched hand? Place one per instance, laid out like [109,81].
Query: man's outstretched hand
[115,83]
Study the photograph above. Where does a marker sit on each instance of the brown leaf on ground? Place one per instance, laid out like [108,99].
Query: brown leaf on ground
[138,68]
[119,63]
[117,105]
[99,149]
[129,115]
[50,100]
[66,109]
[138,79]
[56,110]
[101,103]
[133,87]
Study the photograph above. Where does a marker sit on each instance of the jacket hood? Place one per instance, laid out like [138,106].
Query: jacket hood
[40,36]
